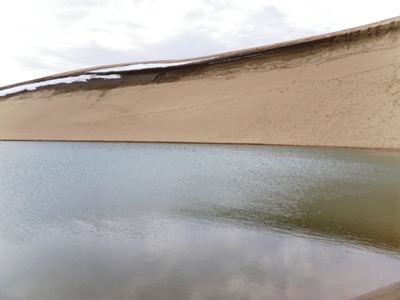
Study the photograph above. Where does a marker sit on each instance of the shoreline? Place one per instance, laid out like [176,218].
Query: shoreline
[394,150]
[388,292]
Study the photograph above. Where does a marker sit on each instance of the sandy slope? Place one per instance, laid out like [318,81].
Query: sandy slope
[341,89]
[390,292]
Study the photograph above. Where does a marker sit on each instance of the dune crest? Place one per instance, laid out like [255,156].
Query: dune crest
[340,89]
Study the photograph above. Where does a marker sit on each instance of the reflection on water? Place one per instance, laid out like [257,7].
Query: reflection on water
[140,221]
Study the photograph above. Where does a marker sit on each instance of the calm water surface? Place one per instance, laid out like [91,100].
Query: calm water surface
[150,221]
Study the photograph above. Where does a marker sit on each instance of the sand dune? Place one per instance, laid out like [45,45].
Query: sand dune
[340,89]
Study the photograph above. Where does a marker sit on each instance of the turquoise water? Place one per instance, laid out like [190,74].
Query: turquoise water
[154,221]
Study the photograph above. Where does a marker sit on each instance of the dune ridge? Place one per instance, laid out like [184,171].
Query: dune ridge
[340,89]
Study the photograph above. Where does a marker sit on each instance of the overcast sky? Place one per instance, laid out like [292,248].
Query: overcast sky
[44,37]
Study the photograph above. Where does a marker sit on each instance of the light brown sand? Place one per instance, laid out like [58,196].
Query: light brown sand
[340,90]
[390,292]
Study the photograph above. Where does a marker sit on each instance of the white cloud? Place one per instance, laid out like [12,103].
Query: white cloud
[44,37]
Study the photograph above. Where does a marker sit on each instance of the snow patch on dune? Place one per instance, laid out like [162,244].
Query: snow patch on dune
[68,80]
[144,66]
[96,74]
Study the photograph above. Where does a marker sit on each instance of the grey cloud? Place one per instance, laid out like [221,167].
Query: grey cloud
[188,45]
[75,58]
[267,26]
[94,55]
[35,63]
[185,45]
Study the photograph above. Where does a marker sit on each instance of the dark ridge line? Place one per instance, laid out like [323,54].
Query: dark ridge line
[346,35]
[341,36]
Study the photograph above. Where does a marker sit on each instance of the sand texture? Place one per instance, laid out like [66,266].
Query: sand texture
[390,292]
[340,89]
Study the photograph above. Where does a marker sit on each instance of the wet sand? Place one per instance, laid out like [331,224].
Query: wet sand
[390,292]
[340,89]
